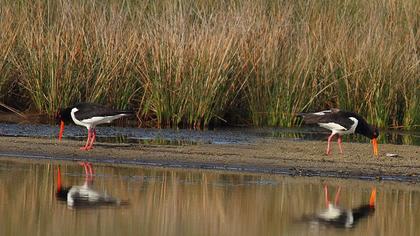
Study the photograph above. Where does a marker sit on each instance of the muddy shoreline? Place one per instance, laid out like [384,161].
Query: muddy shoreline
[295,158]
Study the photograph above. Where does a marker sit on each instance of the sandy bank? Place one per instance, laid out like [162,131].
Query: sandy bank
[288,157]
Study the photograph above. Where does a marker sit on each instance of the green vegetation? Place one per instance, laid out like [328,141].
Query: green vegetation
[188,63]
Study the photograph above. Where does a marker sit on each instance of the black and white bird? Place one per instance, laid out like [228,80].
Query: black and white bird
[340,123]
[84,196]
[88,115]
[336,216]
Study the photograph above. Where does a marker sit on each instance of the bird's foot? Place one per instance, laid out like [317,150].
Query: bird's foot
[86,148]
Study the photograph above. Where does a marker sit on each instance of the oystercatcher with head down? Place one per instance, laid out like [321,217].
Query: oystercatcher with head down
[334,215]
[84,196]
[342,122]
[88,115]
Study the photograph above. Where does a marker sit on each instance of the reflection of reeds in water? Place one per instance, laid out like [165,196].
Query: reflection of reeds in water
[167,202]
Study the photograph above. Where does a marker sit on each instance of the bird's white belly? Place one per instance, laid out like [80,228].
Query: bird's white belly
[81,193]
[96,120]
[93,121]
[339,129]
[330,213]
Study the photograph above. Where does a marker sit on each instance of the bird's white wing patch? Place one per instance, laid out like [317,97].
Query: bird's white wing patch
[81,193]
[339,129]
[93,121]
[330,213]
[321,113]
[332,126]
[96,120]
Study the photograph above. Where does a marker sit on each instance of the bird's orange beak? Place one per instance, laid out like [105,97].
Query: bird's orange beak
[58,179]
[375,146]
[372,197]
[60,135]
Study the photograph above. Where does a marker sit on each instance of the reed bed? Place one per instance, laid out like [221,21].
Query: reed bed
[187,63]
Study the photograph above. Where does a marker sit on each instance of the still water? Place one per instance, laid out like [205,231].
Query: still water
[147,201]
[133,135]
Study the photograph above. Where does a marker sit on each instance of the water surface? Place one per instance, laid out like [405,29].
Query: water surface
[179,202]
[132,135]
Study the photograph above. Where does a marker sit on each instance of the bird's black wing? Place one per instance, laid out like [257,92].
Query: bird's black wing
[329,116]
[89,110]
[362,212]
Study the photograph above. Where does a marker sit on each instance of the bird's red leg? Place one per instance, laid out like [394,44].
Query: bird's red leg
[86,147]
[90,168]
[329,144]
[88,171]
[340,140]
[327,202]
[92,140]
[85,167]
[89,165]
[337,196]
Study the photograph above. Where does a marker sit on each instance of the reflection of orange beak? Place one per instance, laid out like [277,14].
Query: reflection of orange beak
[60,135]
[372,197]
[375,146]
[58,179]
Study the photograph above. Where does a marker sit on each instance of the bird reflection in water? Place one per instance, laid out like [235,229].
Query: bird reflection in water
[84,196]
[336,216]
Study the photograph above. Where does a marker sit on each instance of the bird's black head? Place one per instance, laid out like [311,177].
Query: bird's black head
[371,132]
[63,115]
[61,194]
[375,132]
[367,130]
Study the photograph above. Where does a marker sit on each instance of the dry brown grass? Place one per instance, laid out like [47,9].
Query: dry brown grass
[186,62]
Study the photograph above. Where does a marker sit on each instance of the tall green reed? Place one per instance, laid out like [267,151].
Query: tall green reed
[184,63]
[73,56]
[188,70]
[8,39]
[355,55]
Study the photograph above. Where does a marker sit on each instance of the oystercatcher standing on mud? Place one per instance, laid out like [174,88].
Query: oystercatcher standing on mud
[88,115]
[342,122]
